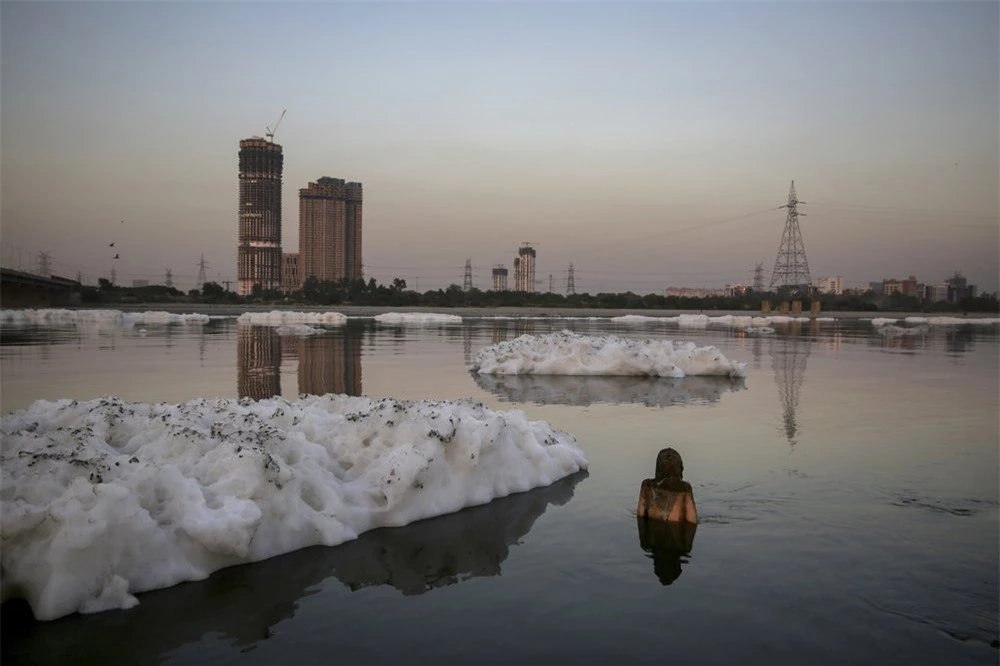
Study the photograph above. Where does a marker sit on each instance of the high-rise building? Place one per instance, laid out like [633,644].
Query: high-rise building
[499,278]
[330,230]
[259,249]
[290,272]
[524,269]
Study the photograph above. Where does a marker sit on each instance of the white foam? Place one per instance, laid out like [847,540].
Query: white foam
[883,321]
[298,330]
[417,318]
[289,317]
[759,330]
[703,320]
[106,498]
[568,353]
[641,319]
[62,317]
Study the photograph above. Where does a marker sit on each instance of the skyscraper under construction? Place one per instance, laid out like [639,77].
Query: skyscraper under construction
[259,250]
[330,230]
[524,269]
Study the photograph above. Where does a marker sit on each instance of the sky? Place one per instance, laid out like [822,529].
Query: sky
[650,144]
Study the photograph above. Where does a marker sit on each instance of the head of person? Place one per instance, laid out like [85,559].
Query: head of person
[669,466]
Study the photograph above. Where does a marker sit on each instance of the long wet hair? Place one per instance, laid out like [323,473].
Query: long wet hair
[669,471]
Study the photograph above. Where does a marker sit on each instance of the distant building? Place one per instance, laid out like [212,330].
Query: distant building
[735,290]
[290,272]
[908,287]
[831,285]
[690,292]
[259,241]
[936,292]
[891,286]
[330,230]
[138,284]
[524,269]
[499,278]
[959,288]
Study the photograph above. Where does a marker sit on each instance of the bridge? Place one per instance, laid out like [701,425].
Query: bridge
[26,290]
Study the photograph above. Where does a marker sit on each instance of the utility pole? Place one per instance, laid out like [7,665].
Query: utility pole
[202,265]
[44,266]
[467,281]
[758,277]
[570,281]
[791,270]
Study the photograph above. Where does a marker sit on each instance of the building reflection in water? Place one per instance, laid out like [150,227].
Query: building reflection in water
[327,363]
[330,363]
[788,357]
[258,351]
[668,545]
[245,603]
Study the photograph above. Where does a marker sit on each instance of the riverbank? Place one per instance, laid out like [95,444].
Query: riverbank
[233,310]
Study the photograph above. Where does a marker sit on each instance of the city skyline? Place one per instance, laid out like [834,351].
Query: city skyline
[649,144]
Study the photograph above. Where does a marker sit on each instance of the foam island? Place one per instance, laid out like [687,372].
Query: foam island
[59,317]
[104,499]
[417,318]
[568,353]
[291,318]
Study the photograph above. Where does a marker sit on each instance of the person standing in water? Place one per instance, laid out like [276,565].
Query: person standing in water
[668,496]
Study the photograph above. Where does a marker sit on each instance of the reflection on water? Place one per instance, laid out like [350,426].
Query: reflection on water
[328,363]
[258,353]
[788,357]
[584,390]
[246,602]
[668,545]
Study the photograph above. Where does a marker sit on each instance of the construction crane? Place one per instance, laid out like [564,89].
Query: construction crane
[270,132]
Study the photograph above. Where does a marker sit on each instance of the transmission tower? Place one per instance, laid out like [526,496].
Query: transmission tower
[79,277]
[114,276]
[168,279]
[550,284]
[202,265]
[570,281]
[791,270]
[758,277]
[44,265]
[467,281]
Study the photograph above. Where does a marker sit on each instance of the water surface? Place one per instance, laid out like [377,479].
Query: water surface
[848,489]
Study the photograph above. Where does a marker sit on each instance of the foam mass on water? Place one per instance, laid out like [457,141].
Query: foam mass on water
[58,317]
[704,321]
[106,498]
[417,318]
[291,317]
[569,353]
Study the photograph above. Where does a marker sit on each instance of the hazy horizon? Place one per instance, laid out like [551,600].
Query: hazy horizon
[624,138]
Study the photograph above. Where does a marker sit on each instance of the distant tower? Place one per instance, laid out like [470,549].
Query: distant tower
[791,270]
[499,278]
[202,265]
[169,279]
[44,265]
[550,284]
[467,280]
[758,277]
[259,243]
[79,277]
[114,276]
[524,268]
[570,281]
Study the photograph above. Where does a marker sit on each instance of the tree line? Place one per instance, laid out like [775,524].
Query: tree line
[396,294]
